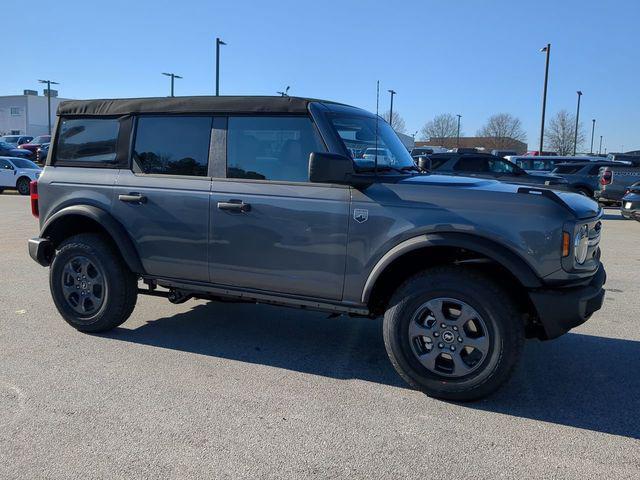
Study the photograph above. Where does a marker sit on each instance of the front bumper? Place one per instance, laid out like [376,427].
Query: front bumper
[562,308]
[41,250]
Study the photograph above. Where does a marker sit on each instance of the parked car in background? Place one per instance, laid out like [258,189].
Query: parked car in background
[34,144]
[546,163]
[630,207]
[383,154]
[582,176]
[17,174]
[537,153]
[614,180]
[41,153]
[488,166]
[16,140]
[503,153]
[420,151]
[9,150]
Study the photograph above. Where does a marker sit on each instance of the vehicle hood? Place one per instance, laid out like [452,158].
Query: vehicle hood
[581,206]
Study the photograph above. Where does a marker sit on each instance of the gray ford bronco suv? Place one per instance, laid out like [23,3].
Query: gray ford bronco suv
[273,200]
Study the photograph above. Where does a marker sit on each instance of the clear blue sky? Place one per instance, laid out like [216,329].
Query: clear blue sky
[470,57]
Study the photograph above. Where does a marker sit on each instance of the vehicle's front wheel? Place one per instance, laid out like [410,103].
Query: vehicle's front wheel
[453,333]
[91,285]
[23,185]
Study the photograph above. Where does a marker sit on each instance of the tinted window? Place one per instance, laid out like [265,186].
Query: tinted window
[21,163]
[5,165]
[568,169]
[472,164]
[500,166]
[595,170]
[173,145]
[271,148]
[87,140]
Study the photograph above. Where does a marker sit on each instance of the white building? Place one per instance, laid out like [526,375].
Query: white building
[26,114]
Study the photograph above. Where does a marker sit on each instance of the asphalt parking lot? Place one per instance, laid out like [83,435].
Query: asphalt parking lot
[230,391]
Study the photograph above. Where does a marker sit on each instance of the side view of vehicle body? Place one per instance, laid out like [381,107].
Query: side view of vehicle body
[17,173]
[630,205]
[614,180]
[488,166]
[9,150]
[542,164]
[16,140]
[260,200]
[34,144]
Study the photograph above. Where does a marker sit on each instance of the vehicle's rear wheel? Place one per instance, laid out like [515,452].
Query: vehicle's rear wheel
[23,185]
[453,333]
[91,286]
[584,191]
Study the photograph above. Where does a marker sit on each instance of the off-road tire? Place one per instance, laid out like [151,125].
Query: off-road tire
[120,290]
[493,303]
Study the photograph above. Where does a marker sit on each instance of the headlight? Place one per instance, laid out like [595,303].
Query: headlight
[581,244]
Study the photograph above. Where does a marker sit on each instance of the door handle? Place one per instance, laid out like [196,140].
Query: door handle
[133,198]
[235,206]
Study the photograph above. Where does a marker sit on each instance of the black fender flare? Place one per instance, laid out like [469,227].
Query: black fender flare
[489,248]
[103,218]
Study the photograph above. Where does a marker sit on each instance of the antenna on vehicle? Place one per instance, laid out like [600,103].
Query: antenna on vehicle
[375,165]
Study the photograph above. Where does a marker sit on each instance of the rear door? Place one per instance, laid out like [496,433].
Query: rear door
[7,174]
[163,198]
[271,229]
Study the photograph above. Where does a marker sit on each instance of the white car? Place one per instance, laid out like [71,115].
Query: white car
[384,155]
[17,173]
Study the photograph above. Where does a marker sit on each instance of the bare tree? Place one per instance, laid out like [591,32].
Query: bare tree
[560,133]
[443,128]
[501,129]
[397,122]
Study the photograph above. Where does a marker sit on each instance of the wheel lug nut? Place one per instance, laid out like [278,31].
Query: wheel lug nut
[77,286]
[441,345]
[443,325]
[455,328]
[460,339]
[453,349]
[436,334]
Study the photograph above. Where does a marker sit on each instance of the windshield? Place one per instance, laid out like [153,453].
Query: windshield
[20,163]
[6,145]
[41,139]
[359,136]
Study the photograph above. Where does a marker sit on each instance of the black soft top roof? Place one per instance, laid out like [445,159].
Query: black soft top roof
[201,104]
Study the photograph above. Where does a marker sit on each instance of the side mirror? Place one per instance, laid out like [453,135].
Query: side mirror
[330,168]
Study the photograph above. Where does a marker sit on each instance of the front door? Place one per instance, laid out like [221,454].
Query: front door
[163,201]
[270,228]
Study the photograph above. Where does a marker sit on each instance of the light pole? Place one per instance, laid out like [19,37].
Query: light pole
[600,148]
[285,92]
[458,134]
[49,83]
[593,129]
[173,77]
[575,137]
[218,43]
[544,94]
[392,92]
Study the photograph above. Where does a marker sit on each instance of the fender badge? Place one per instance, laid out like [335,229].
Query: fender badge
[360,215]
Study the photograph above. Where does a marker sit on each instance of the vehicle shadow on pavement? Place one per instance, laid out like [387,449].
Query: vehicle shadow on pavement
[577,380]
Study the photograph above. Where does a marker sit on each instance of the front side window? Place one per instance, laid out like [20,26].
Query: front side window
[5,165]
[472,164]
[501,166]
[22,163]
[173,145]
[271,148]
[370,140]
[87,140]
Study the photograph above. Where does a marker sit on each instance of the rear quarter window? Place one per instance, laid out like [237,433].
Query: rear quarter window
[87,141]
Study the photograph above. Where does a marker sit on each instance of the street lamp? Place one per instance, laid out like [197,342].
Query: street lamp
[575,137]
[600,148]
[173,77]
[593,129]
[458,134]
[544,94]
[218,43]
[392,92]
[49,83]
[284,93]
